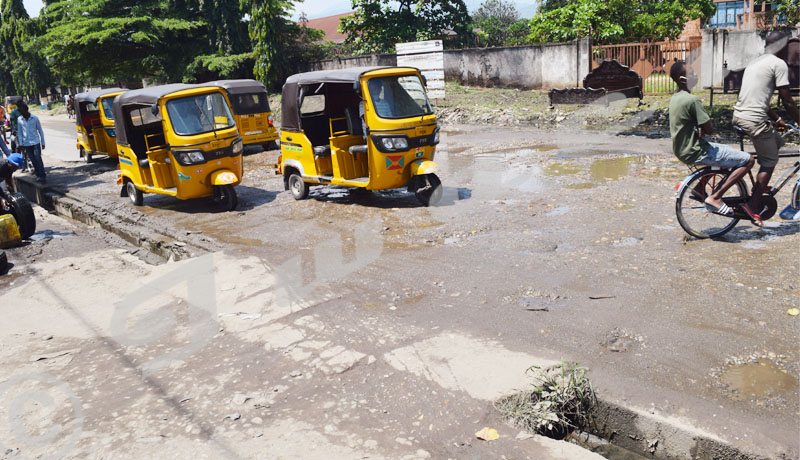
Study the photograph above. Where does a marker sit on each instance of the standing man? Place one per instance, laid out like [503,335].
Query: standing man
[31,139]
[753,114]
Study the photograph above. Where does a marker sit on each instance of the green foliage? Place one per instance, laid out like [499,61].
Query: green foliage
[615,21]
[500,25]
[25,70]
[377,25]
[269,28]
[560,401]
[789,9]
[105,41]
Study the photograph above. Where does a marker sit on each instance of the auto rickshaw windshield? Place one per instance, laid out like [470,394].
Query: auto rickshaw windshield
[400,96]
[199,114]
[107,103]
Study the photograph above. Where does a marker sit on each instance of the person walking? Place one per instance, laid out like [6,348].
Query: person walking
[31,140]
[753,114]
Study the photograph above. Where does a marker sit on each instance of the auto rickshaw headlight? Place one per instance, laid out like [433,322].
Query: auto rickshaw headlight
[436,138]
[193,157]
[395,143]
[237,146]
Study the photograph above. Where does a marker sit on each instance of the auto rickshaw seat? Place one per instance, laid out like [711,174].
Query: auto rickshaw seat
[357,149]
[353,121]
[322,151]
[144,163]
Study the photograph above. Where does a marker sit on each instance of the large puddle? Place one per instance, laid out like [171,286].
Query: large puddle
[757,380]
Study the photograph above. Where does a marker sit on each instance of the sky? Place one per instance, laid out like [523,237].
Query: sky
[33,7]
[321,8]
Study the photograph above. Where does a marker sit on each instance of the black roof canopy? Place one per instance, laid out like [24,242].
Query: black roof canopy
[90,96]
[13,99]
[290,99]
[144,97]
[238,86]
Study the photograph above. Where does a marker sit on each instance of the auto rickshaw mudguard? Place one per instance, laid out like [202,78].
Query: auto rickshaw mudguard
[223,177]
[420,167]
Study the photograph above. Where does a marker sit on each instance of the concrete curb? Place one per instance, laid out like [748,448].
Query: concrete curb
[160,243]
[662,437]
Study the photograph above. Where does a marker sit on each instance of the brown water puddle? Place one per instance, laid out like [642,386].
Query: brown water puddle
[555,169]
[613,168]
[754,380]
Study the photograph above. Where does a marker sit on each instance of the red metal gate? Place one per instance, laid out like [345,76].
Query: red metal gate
[651,60]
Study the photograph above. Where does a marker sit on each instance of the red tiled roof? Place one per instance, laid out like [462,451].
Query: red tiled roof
[329,24]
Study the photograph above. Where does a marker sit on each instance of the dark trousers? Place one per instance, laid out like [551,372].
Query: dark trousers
[34,154]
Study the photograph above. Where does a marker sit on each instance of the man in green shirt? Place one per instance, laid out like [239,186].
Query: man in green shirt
[688,122]
[13,116]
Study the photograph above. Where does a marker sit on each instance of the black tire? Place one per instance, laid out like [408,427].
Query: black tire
[22,211]
[430,190]
[298,188]
[225,195]
[136,196]
[690,208]
[271,145]
[87,157]
[3,263]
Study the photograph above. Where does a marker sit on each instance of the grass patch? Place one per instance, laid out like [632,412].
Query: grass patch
[560,401]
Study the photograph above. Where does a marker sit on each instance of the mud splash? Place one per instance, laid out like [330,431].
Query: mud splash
[758,380]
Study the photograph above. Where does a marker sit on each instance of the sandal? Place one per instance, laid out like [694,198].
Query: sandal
[722,210]
[755,218]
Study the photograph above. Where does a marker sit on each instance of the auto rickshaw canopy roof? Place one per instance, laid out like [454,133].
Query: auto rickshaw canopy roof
[13,100]
[245,86]
[290,100]
[90,96]
[144,97]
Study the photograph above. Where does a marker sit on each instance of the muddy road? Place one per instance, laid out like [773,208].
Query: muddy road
[371,325]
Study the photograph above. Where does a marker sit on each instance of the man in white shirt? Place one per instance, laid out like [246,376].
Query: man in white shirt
[754,115]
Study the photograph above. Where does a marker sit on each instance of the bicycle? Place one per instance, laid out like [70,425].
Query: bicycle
[692,191]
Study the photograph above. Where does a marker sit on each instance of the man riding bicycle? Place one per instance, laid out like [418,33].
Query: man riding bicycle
[752,113]
[688,122]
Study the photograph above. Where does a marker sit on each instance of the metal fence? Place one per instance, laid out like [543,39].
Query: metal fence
[651,60]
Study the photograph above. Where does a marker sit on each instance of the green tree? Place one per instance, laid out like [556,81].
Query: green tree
[228,53]
[25,70]
[269,26]
[499,24]
[788,9]
[616,21]
[377,25]
[106,41]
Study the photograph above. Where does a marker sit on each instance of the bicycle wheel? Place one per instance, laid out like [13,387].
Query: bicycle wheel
[690,209]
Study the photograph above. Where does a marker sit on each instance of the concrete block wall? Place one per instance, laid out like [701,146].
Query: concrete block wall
[559,65]
[736,48]
[527,67]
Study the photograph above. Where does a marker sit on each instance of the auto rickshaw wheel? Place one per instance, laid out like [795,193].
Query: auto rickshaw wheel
[136,195]
[271,145]
[87,157]
[226,196]
[22,211]
[298,188]
[430,190]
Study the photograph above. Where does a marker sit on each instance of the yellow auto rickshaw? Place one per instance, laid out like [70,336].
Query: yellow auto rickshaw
[325,139]
[250,106]
[178,140]
[12,102]
[94,122]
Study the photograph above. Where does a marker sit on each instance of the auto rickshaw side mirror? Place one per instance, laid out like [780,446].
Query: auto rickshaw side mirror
[357,87]
[154,109]
[424,81]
